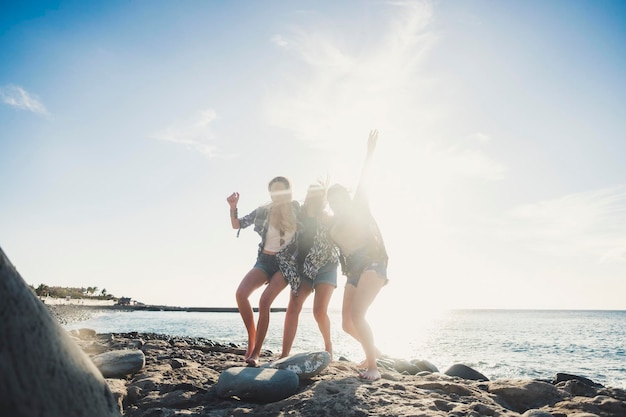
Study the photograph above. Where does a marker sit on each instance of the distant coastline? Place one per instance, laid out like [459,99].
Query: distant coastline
[112,305]
[173,308]
[66,313]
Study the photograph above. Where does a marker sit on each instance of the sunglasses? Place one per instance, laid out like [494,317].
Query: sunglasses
[280,193]
[282,236]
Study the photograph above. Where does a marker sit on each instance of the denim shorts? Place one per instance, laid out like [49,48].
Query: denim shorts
[359,262]
[326,275]
[267,263]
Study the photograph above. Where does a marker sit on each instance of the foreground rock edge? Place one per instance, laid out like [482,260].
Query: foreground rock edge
[42,371]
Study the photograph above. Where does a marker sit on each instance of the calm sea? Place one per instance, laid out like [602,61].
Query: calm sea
[498,343]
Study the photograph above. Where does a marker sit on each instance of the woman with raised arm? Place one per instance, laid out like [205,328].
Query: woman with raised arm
[363,260]
[276,224]
[312,267]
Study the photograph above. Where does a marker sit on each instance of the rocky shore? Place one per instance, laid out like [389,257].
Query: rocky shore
[179,377]
[71,313]
[47,370]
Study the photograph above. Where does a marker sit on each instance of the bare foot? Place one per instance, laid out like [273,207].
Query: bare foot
[253,362]
[370,374]
[248,353]
[363,363]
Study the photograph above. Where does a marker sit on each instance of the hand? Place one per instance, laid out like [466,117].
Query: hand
[371,141]
[233,199]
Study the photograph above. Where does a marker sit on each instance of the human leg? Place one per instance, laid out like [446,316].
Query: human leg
[253,280]
[346,312]
[323,293]
[369,286]
[291,316]
[276,285]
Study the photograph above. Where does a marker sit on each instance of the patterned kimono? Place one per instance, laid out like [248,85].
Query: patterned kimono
[321,253]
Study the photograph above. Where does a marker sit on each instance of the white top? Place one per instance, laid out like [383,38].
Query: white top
[273,237]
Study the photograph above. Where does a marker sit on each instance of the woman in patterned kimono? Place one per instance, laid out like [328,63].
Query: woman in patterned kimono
[312,267]
[276,224]
[363,260]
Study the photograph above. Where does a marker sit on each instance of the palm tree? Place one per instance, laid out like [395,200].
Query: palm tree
[42,290]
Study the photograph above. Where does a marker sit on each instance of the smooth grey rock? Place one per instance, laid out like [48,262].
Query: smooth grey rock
[403,366]
[465,372]
[262,385]
[178,363]
[386,363]
[42,370]
[523,395]
[537,413]
[561,377]
[119,363]
[425,366]
[575,387]
[305,365]
[83,333]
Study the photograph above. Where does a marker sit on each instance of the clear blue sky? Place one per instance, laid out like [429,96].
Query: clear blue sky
[499,180]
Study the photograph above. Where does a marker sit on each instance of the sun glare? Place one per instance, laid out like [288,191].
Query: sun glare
[399,326]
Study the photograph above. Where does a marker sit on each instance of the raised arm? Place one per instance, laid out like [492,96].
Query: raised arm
[371,146]
[232,200]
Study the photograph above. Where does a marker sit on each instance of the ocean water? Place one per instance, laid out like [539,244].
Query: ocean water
[498,343]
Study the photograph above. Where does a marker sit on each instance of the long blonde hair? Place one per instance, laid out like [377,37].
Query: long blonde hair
[282,215]
[315,200]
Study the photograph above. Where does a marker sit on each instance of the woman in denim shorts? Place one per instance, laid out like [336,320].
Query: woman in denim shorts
[276,224]
[363,259]
[312,267]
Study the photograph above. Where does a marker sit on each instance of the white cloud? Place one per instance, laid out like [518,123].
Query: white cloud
[16,96]
[280,41]
[379,80]
[344,83]
[480,138]
[471,163]
[587,223]
[616,254]
[195,133]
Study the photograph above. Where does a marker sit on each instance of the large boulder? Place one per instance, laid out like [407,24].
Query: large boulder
[119,363]
[263,385]
[305,365]
[563,377]
[465,372]
[405,367]
[425,366]
[523,395]
[42,370]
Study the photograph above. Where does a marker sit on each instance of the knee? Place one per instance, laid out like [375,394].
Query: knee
[347,325]
[358,322]
[357,314]
[241,294]
[320,314]
[265,303]
[295,307]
